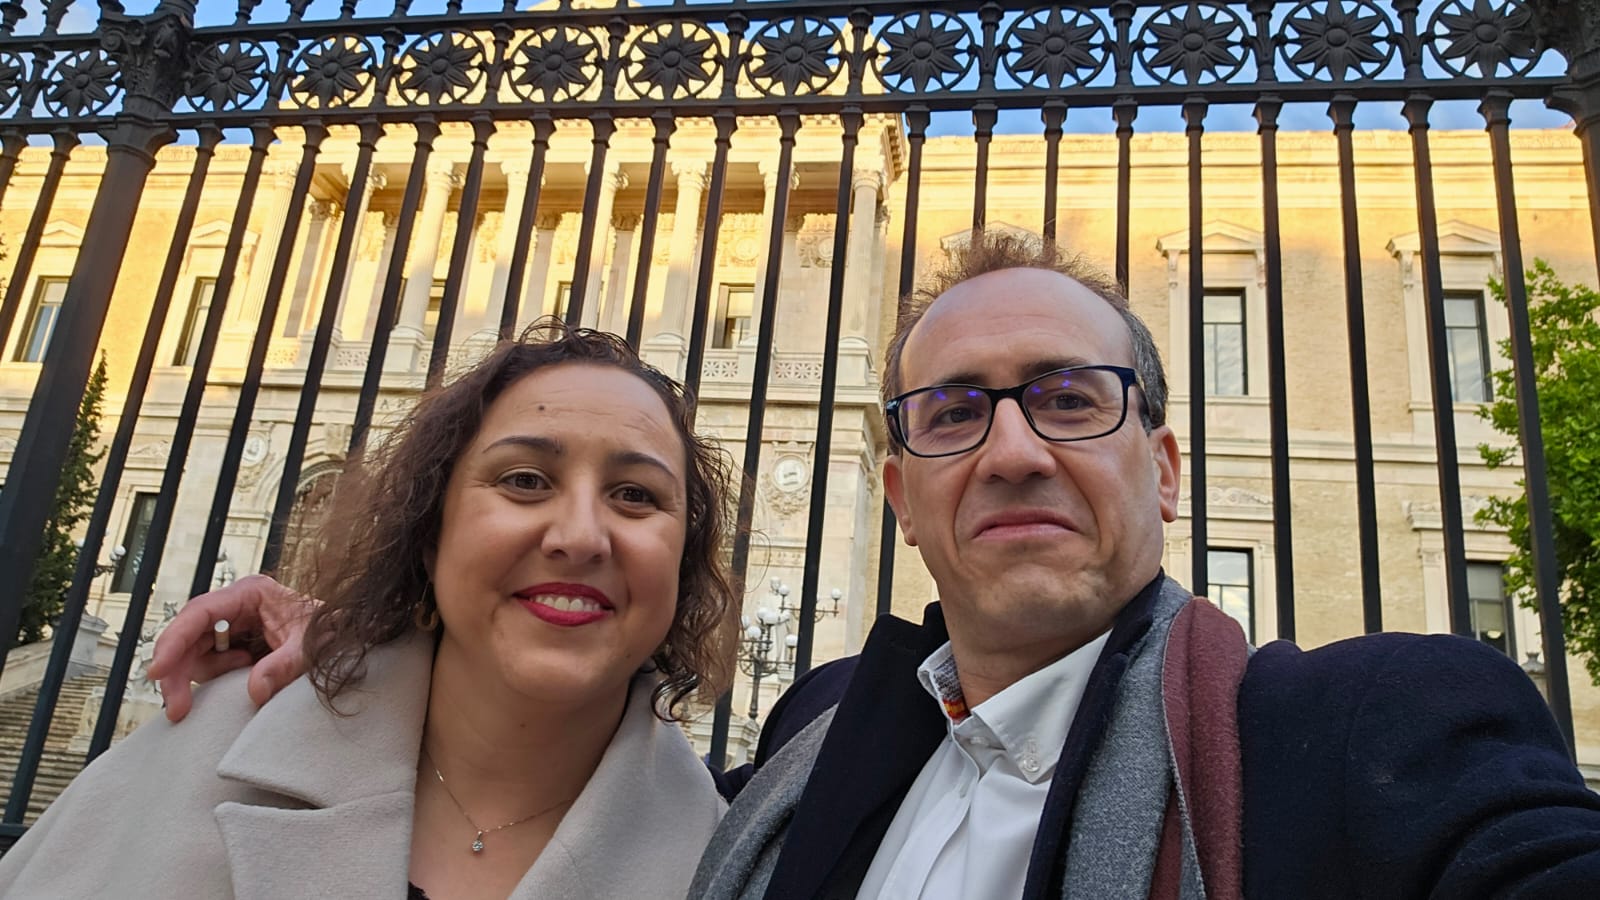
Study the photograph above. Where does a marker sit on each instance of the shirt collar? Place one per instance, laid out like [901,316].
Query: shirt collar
[1031,717]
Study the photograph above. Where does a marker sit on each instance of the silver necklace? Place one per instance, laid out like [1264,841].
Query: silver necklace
[477,840]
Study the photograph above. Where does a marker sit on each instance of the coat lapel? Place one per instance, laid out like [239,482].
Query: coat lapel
[642,821]
[882,734]
[337,790]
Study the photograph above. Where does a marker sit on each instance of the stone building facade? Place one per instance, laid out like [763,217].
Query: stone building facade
[1552,203]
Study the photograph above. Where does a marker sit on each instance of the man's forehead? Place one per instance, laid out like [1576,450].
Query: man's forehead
[1013,324]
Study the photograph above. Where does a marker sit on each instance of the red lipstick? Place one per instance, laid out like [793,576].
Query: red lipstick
[594,604]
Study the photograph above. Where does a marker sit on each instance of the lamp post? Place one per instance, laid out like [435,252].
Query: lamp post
[117,553]
[831,609]
[758,651]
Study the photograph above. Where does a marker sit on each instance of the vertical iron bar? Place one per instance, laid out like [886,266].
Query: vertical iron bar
[788,124]
[1267,109]
[389,304]
[244,414]
[66,627]
[1194,116]
[29,493]
[300,433]
[1125,110]
[726,122]
[1495,109]
[916,134]
[1588,131]
[984,116]
[810,581]
[12,143]
[665,124]
[604,128]
[65,141]
[1055,116]
[543,127]
[1444,421]
[1342,112]
[461,249]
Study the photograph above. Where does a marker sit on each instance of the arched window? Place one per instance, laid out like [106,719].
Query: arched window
[312,501]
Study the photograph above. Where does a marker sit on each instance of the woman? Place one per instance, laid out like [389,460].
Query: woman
[518,591]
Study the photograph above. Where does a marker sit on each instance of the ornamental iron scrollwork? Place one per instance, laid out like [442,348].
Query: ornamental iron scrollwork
[228,75]
[554,64]
[1197,43]
[82,84]
[441,67]
[1493,36]
[13,74]
[332,72]
[674,60]
[1337,40]
[926,51]
[1049,48]
[789,57]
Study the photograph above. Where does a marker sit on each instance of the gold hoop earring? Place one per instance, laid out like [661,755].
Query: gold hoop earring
[427,614]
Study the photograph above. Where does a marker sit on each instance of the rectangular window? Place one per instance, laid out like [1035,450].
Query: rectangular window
[1467,342]
[133,540]
[194,321]
[563,298]
[732,323]
[1491,609]
[430,318]
[1226,375]
[41,321]
[1233,586]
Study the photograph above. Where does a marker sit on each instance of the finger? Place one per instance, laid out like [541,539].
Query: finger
[177,695]
[274,672]
[213,664]
[239,603]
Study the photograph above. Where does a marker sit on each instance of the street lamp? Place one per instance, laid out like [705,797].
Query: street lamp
[759,656]
[117,553]
[831,609]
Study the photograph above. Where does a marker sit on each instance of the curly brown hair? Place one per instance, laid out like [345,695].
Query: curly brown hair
[993,251]
[386,513]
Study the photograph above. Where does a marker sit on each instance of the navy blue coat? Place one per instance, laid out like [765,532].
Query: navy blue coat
[1387,766]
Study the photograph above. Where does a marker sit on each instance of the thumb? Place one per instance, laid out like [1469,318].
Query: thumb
[273,673]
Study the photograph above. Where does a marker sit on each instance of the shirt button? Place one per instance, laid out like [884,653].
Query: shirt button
[1030,765]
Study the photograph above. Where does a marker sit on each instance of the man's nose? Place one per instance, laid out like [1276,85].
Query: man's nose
[577,531]
[1014,451]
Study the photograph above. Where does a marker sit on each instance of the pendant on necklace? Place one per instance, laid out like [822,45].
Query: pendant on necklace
[477,843]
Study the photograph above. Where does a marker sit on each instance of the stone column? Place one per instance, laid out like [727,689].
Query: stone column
[424,256]
[240,325]
[672,325]
[321,229]
[614,317]
[368,323]
[769,201]
[609,185]
[866,185]
[516,172]
[541,300]
[354,309]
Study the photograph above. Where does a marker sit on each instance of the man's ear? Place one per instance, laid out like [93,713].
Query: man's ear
[1168,470]
[895,491]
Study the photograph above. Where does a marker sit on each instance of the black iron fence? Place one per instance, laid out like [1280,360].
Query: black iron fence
[141,82]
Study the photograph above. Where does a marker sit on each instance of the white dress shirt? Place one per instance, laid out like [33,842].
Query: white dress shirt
[965,829]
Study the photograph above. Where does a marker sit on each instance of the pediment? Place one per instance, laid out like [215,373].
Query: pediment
[1219,237]
[61,234]
[1455,238]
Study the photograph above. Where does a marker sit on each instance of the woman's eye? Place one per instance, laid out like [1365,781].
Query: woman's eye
[636,496]
[524,481]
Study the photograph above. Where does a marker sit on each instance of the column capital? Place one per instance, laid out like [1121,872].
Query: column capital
[442,173]
[867,178]
[515,170]
[690,171]
[281,171]
[769,175]
[794,221]
[548,221]
[322,209]
[628,221]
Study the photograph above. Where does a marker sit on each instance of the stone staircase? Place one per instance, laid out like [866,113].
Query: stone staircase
[60,764]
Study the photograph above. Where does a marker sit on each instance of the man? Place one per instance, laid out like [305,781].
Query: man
[1067,722]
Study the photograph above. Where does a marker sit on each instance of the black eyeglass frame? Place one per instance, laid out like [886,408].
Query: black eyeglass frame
[892,409]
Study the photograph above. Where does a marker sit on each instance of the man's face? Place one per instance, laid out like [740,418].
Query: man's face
[1033,544]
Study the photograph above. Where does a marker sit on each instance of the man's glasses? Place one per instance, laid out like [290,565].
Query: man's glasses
[1075,404]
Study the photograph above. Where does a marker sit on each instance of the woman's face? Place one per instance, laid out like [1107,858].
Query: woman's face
[562,535]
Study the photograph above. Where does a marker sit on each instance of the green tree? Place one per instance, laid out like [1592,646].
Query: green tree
[1565,332]
[52,573]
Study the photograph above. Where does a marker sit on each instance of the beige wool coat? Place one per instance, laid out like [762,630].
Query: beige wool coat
[293,801]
